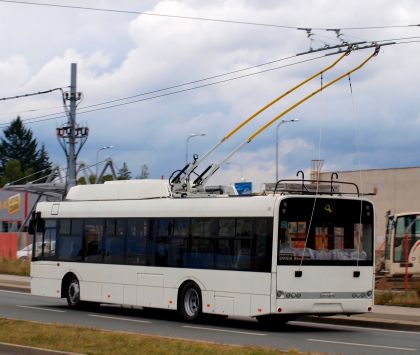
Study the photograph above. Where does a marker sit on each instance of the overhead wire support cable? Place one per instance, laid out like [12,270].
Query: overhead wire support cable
[208,173]
[373,45]
[41,118]
[57,115]
[31,94]
[197,18]
[331,47]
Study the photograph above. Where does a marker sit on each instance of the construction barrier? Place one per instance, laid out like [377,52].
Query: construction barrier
[8,245]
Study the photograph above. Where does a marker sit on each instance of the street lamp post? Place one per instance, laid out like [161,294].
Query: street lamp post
[97,158]
[277,144]
[192,135]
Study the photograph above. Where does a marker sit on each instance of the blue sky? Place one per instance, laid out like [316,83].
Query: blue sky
[120,55]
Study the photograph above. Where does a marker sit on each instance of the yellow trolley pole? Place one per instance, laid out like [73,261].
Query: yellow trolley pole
[201,180]
[190,168]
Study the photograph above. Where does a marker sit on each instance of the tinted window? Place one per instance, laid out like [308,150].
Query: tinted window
[93,240]
[325,232]
[70,243]
[114,243]
[172,242]
[65,225]
[137,240]
[203,232]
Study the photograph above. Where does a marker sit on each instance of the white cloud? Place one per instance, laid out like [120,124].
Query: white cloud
[123,55]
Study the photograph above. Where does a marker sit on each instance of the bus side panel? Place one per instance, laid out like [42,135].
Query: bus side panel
[239,293]
[90,291]
[45,279]
[46,287]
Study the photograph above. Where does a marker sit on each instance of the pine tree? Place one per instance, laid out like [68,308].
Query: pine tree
[43,161]
[19,144]
[12,172]
[144,172]
[124,173]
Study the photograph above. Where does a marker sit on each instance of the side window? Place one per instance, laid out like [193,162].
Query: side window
[242,244]
[94,240]
[114,241]
[172,242]
[45,243]
[225,240]
[138,233]
[179,250]
[203,232]
[164,233]
[263,235]
[70,246]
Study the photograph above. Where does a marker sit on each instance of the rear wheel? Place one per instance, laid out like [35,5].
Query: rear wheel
[73,293]
[189,304]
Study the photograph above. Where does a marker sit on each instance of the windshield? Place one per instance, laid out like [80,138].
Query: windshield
[405,227]
[340,232]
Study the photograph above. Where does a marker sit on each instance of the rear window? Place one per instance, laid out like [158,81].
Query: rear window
[325,231]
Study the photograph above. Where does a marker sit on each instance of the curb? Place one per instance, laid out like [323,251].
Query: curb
[14,349]
[14,287]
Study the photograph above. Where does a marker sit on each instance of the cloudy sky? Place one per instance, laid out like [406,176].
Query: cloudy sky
[121,55]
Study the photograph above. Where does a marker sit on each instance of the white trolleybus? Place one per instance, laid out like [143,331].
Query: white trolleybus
[133,243]
[171,245]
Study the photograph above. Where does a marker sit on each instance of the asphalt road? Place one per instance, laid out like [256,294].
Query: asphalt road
[304,336]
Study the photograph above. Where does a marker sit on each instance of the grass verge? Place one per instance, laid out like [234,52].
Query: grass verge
[409,298]
[100,342]
[15,267]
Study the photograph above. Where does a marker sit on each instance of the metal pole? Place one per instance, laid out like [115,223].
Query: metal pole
[71,164]
[277,152]
[406,260]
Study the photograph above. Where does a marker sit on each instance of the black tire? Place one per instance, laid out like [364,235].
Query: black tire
[73,293]
[189,303]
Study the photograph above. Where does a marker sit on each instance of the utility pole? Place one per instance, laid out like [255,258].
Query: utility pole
[71,162]
[70,135]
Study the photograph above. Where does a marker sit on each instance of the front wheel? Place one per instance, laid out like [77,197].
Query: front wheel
[189,304]
[73,293]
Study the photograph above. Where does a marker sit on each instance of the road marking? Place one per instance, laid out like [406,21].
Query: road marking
[117,318]
[358,344]
[342,326]
[41,309]
[223,330]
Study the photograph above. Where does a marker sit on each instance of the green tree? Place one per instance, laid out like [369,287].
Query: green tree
[12,172]
[107,177]
[19,144]
[82,180]
[144,172]
[124,173]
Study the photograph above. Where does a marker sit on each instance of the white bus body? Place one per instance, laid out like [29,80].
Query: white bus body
[242,256]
